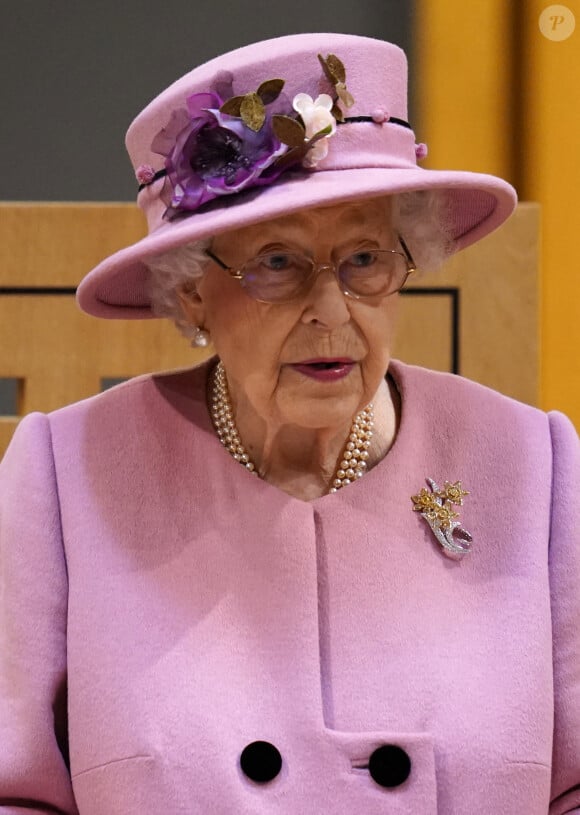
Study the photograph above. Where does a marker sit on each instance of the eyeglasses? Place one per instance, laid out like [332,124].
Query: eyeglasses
[280,277]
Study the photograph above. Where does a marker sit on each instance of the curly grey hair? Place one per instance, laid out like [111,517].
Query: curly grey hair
[419,216]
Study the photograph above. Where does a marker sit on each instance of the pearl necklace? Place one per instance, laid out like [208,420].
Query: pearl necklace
[353,462]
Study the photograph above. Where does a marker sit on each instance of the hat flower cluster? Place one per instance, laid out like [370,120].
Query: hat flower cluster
[216,147]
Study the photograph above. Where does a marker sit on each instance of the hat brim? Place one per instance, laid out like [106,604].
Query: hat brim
[476,204]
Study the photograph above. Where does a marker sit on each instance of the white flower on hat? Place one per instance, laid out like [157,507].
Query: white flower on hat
[316,115]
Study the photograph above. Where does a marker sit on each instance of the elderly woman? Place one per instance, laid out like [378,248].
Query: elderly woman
[301,577]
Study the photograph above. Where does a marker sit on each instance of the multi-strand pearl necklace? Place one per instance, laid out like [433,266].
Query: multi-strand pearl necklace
[353,462]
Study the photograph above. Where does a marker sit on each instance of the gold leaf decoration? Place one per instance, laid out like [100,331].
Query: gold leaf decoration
[335,72]
[232,106]
[336,68]
[297,154]
[293,156]
[252,111]
[337,113]
[288,130]
[326,69]
[270,90]
[345,97]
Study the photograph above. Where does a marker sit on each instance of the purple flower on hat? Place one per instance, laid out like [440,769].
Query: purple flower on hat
[209,153]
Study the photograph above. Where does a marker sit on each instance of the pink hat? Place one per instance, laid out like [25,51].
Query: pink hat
[230,144]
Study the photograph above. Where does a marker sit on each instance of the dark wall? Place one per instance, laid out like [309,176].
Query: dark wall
[76,72]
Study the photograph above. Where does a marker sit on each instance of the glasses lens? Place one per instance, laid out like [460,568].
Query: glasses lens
[373,272]
[277,277]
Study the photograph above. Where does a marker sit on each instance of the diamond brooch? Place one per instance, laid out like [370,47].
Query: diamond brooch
[437,508]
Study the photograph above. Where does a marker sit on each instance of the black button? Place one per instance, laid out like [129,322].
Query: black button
[389,765]
[261,761]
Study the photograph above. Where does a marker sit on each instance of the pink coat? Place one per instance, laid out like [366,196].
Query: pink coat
[186,609]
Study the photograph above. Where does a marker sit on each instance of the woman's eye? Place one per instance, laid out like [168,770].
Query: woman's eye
[362,260]
[277,263]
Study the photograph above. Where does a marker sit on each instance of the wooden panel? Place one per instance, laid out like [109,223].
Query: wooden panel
[425,329]
[7,428]
[57,244]
[67,353]
[497,282]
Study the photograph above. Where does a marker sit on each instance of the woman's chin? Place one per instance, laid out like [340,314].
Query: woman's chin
[316,402]
[319,411]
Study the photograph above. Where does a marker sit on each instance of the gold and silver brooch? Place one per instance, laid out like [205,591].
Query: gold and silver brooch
[436,505]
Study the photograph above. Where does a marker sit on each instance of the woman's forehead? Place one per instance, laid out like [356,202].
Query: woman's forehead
[351,212]
[368,213]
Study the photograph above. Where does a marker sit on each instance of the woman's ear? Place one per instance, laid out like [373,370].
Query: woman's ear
[192,306]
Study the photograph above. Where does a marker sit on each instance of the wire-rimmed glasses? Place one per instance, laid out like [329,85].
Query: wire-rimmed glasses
[280,277]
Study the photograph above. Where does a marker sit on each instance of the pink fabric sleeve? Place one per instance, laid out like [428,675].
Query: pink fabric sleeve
[33,606]
[565,595]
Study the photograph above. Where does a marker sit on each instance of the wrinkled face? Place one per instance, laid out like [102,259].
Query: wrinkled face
[262,345]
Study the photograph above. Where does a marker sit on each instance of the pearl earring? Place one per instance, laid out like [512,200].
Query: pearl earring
[199,337]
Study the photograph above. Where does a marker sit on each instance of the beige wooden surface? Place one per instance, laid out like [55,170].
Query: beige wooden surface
[498,280]
[60,355]
[56,244]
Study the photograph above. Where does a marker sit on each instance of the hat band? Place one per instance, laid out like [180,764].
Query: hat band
[361,146]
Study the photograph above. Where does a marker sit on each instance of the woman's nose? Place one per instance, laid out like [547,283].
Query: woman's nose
[325,303]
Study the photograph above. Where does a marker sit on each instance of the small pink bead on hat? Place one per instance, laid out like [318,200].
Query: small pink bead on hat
[380,116]
[145,174]
[421,151]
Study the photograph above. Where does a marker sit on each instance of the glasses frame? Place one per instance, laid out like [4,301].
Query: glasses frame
[237,274]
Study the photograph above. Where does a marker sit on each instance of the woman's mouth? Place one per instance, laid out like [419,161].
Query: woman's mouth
[325,370]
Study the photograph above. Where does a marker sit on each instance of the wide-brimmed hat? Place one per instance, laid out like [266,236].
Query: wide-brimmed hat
[275,127]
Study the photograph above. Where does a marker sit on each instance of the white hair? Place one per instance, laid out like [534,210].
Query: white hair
[418,216]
